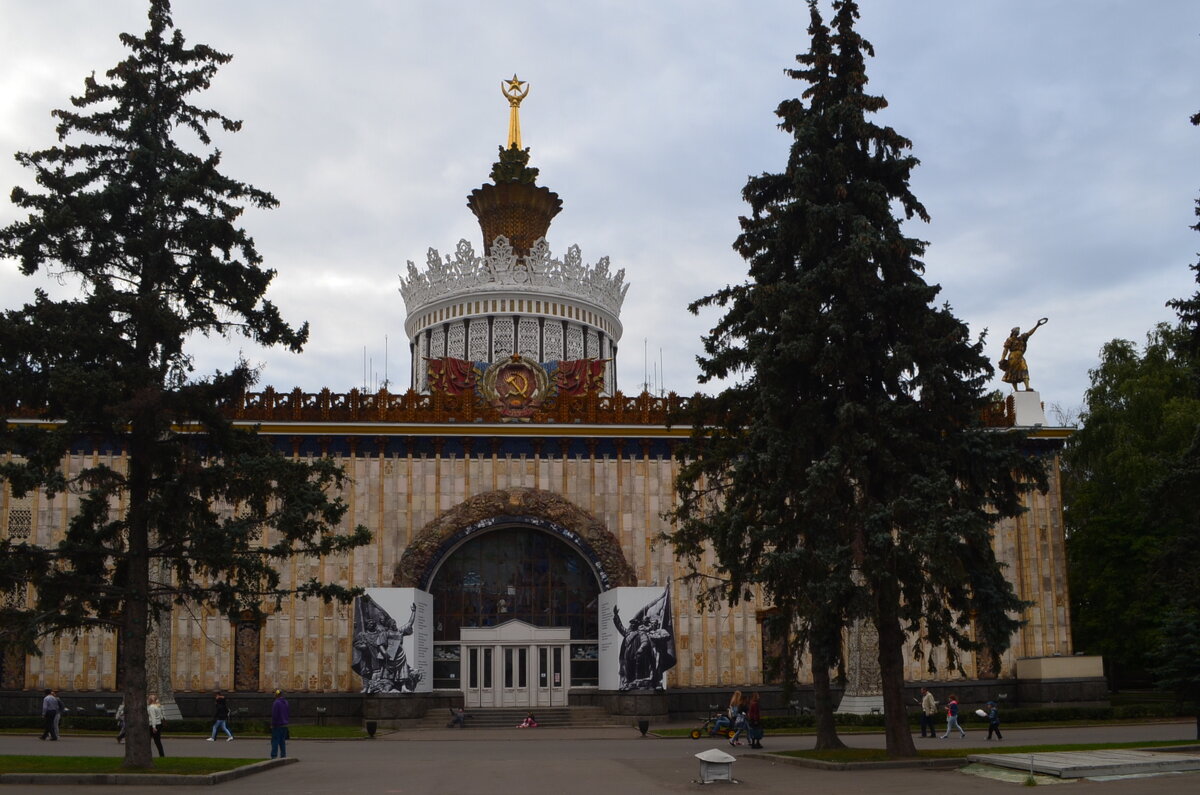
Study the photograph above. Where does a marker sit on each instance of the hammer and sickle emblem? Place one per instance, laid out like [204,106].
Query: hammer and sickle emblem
[519,384]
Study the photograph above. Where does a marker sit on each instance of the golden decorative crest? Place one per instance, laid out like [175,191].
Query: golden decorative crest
[516,388]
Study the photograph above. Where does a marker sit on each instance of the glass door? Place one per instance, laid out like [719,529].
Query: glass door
[552,676]
[479,690]
[516,676]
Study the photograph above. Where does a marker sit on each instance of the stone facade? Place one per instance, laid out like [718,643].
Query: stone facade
[412,484]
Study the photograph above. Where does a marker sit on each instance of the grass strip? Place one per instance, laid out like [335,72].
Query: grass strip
[196,766]
[846,755]
[297,733]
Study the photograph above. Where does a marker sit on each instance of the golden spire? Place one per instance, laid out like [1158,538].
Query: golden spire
[512,91]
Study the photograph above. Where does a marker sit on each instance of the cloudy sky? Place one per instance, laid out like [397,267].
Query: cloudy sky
[1058,164]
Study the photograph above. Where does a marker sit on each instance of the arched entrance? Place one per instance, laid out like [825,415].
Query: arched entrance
[515,577]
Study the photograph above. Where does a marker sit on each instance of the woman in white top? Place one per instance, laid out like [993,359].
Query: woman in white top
[155,711]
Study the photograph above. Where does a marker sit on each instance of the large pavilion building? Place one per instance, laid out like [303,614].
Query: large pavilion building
[516,485]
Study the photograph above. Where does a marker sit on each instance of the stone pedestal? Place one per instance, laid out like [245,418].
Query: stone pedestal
[1027,409]
[861,705]
[1048,681]
[864,682]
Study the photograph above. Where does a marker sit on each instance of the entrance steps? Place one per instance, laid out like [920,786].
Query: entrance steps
[510,717]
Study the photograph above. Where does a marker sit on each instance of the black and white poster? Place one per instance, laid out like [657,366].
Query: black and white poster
[393,648]
[637,638]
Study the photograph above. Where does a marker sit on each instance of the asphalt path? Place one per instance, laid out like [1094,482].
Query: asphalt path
[604,761]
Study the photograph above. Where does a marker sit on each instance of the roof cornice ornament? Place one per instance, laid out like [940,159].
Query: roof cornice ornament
[467,272]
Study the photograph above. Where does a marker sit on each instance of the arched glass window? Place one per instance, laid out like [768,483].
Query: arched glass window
[515,573]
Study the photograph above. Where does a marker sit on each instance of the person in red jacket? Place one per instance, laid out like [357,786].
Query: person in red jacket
[754,718]
[952,718]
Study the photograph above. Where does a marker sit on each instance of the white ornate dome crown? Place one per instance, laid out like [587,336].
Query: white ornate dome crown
[514,298]
[537,273]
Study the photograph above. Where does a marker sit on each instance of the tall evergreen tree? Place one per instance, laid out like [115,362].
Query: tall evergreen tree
[191,510]
[847,472]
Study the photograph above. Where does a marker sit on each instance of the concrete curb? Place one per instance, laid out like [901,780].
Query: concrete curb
[948,763]
[143,779]
[818,764]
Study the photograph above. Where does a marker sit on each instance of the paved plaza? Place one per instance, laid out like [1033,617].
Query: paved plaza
[585,761]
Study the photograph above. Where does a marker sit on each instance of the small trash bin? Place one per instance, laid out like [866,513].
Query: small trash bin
[715,765]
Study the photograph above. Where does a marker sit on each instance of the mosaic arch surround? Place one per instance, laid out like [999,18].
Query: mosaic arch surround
[529,508]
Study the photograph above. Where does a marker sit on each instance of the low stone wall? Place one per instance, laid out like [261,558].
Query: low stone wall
[677,704]
[648,704]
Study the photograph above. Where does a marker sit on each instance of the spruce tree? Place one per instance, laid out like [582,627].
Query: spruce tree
[131,208]
[847,472]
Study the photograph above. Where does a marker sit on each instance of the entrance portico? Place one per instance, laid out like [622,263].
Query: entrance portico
[515,665]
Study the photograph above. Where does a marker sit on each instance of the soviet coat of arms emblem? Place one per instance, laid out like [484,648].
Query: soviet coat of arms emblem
[517,387]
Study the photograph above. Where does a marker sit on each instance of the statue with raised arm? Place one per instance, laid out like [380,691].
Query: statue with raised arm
[1012,361]
[399,675]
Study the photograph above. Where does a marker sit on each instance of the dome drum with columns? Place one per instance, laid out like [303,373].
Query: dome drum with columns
[516,299]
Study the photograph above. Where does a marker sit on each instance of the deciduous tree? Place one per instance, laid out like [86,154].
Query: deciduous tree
[1141,415]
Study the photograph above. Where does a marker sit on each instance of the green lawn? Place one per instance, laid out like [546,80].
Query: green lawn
[297,733]
[958,752]
[113,764]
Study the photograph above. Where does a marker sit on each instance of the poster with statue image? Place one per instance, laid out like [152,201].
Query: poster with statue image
[637,638]
[393,640]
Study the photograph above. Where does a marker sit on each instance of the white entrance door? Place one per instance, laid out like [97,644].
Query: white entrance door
[515,665]
[515,692]
[552,676]
[479,689]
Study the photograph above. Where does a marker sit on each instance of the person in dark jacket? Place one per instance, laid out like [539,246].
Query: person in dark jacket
[220,719]
[280,717]
[993,719]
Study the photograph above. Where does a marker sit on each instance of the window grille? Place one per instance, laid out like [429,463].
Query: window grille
[527,336]
[574,342]
[456,341]
[477,338]
[20,517]
[552,340]
[502,338]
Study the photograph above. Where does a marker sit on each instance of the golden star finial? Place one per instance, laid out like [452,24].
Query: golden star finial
[514,85]
[512,90]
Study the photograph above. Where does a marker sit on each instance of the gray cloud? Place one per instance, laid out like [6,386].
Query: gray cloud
[1057,161]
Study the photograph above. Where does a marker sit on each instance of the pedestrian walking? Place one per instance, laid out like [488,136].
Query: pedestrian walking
[121,722]
[737,716]
[280,717]
[952,718]
[220,719]
[154,711]
[49,713]
[754,719]
[993,719]
[928,710]
[58,716]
